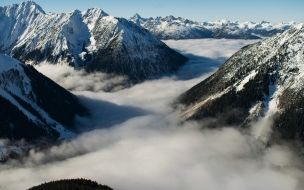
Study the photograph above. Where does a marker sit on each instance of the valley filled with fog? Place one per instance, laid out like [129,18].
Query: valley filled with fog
[135,140]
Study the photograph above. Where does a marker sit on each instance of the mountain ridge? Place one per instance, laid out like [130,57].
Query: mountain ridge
[262,80]
[92,40]
[177,28]
[34,106]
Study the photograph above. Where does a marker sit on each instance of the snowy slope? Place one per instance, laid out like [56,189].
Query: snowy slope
[82,39]
[262,80]
[171,27]
[31,103]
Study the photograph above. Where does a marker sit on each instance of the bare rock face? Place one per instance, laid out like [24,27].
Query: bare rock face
[92,40]
[264,79]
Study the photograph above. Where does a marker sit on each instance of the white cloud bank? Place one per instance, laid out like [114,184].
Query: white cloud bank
[79,80]
[149,149]
[155,152]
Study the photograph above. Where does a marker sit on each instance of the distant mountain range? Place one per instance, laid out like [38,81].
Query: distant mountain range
[92,40]
[96,41]
[33,106]
[170,27]
[262,80]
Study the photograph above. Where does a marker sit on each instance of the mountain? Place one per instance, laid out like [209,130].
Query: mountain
[262,80]
[172,28]
[246,30]
[92,40]
[77,184]
[33,106]
[178,28]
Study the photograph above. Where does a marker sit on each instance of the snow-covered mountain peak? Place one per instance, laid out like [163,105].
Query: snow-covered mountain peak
[24,7]
[169,18]
[265,22]
[32,5]
[136,16]
[91,16]
[299,26]
[218,23]
[76,12]
[291,22]
[171,27]
[94,12]
[223,21]
[137,19]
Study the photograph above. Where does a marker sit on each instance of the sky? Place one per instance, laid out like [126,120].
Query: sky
[274,11]
[148,147]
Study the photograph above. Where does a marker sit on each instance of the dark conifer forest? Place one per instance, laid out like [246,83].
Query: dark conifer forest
[71,184]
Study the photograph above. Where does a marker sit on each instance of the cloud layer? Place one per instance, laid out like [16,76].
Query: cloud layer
[139,142]
[79,80]
[155,152]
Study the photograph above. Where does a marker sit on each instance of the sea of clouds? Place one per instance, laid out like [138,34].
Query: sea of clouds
[135,139]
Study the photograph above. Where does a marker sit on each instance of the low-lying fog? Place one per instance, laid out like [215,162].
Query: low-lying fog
[139,144]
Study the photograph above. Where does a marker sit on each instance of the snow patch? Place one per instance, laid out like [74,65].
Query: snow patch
[8,63]
[245,80]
